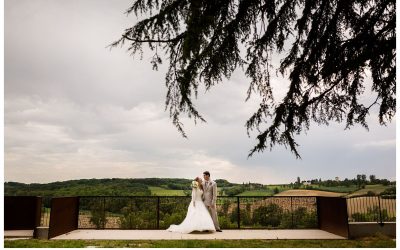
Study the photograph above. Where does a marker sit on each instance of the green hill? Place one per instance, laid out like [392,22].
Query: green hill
[81,187]
[108,187]
[376,189]
[164,187]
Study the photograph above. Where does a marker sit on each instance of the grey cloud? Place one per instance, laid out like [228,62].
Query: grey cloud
[74,109]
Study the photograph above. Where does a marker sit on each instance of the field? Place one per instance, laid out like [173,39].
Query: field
[264,192]
[302,192]
[339,189]
[377,189]
[257,193]
[279,186]
[363,204]
[317,190]
[165,192]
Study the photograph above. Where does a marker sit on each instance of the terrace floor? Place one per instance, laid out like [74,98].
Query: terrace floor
[225,234]
[18,234]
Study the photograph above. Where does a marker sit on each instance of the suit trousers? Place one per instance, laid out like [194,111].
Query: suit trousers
[213,213]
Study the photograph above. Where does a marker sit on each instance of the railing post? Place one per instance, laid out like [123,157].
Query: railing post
[291,209]
[317,200]
[77,213]
[158,212]
[380,212]
[104,211]
[238,211]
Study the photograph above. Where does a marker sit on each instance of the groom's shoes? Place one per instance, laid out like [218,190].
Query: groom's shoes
[219,230]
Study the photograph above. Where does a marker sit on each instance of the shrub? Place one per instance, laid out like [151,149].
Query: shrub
[372,214]
[225,223]
[269,215]
[98,217]
[130,220]
[389,191]
[175,218]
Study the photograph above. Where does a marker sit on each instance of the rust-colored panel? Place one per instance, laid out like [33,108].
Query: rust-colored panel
[63,215]
[22,212]
[332,215]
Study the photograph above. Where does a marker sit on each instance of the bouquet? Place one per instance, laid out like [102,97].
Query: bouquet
[194,184]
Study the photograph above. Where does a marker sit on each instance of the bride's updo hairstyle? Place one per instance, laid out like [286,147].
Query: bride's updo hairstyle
[199,181]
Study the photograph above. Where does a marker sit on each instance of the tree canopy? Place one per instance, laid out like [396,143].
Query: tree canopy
[332,45]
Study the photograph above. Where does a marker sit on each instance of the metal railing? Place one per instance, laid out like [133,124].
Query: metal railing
[158,212]
[234,212]
[371,209]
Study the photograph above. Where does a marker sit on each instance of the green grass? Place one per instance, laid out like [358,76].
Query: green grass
[352,190]
[280,187]
[371,242]
[276,185]
[338,189]
[377,189]
[257,193]
[264,192]
[165,192]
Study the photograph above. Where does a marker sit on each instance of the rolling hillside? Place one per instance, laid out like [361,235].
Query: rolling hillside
[108,187]
[176,187]
[303,192]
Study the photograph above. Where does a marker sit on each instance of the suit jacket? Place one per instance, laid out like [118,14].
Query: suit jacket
[210,193]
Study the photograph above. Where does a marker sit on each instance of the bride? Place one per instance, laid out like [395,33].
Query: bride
[197,218]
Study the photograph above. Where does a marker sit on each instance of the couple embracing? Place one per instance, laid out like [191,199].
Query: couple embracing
[202,210]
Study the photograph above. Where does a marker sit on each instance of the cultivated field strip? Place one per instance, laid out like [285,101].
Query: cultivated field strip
[371,205]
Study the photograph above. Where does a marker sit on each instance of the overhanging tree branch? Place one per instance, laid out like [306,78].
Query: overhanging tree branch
[336,42]
[179,37]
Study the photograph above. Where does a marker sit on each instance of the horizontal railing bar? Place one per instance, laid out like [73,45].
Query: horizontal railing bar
[179,196]
[246,228]
[170,199]
[176,196]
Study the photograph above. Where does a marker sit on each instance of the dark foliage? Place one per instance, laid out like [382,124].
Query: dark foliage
[269,215]
[329,45]
[101,187]
[372,214]
[390,191]
[359,181]
[114,187]
[141,213]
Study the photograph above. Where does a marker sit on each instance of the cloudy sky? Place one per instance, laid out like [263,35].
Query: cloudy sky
[75,109]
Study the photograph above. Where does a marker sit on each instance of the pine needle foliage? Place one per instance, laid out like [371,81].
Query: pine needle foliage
[330,47]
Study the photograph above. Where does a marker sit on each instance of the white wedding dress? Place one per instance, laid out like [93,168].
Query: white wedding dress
[197,218]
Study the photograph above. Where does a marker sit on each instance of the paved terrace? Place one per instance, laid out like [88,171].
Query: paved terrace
[18,234]
[226,234]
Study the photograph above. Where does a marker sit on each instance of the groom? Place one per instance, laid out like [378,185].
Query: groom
[210,198]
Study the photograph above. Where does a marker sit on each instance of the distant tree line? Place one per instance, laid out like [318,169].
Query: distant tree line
[360,180]
[84,187]
[140,186]
[103,187]
[249,186]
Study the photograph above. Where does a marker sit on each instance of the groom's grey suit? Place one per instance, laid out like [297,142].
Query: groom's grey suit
[210,200]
